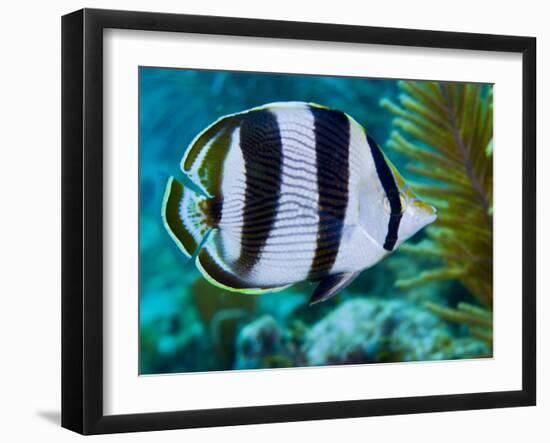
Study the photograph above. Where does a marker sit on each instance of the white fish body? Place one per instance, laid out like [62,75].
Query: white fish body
[293,191]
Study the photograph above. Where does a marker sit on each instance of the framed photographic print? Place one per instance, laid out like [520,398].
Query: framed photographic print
[269,221]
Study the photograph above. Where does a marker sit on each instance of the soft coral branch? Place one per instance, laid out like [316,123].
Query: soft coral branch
[446,130]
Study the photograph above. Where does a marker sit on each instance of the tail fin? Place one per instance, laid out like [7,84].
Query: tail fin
[188,216]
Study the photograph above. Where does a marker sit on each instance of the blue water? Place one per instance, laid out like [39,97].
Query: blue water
[186,324]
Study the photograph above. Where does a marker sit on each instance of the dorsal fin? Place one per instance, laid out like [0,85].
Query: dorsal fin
[203,158]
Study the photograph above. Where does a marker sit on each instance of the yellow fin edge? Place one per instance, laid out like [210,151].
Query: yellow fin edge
[251,291]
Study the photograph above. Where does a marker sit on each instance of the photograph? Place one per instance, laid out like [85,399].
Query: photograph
[292,221]
[275,222]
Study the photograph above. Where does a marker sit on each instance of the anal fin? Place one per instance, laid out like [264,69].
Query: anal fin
[331,285]
[220,272]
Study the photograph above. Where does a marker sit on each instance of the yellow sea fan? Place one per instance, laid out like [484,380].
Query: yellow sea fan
[446,130]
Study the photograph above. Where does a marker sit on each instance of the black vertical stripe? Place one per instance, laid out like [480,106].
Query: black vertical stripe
[261,146]
[213,210]
[218,273]
[392,192]
[332,139]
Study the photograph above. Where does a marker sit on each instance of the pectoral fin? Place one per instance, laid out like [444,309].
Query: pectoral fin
[331,285]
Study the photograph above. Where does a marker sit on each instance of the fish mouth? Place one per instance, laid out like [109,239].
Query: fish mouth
[426,213]
[431,213]
[426,209]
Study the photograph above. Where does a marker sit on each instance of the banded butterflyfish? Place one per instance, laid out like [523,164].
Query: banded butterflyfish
[289,192]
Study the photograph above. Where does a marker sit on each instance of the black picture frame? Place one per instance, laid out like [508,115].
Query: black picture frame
[82,215]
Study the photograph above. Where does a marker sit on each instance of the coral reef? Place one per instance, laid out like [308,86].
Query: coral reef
[445,130]
[373,330]
[358,331]
[259,343]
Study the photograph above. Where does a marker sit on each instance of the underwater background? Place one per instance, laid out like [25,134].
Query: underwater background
[429,300]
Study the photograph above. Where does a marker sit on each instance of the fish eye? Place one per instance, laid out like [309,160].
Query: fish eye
[402,199]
